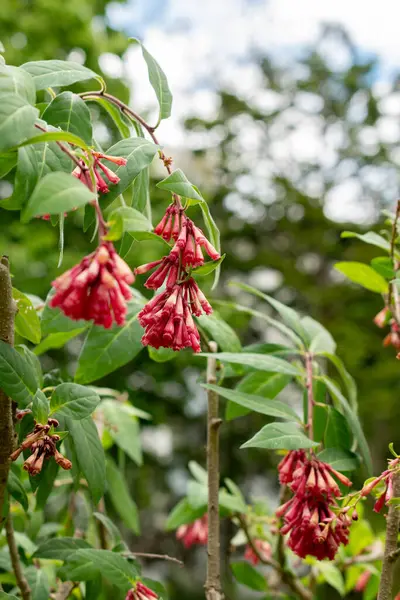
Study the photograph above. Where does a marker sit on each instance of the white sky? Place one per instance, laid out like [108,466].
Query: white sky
[203,45]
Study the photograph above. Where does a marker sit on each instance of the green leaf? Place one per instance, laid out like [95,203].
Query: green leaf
[247,575]
[346,378]
[60,548]
[363,275]
[139,154]
[110,527]
[208,268]
[112,566]
[289,316]
[73,401]
[4,596]
[384,266]
[331,575]
[370,237]
[114,113]
[40,408]
[182,514]
[339,459]
[57,340]
[220,332]
[126,219]
[121,498]
[257,361]
[27,322]
[123,428]
[55,193]
[89,454]
[280,436]
[38,582]
[33,361]
[158,82]
[198,472]
[53,320]
[69,112]
[14,80]
[259,404]
[17,119]
[320,339]
[7,162]
[178,183]
[44,482]
[352,420]
[105,350]
[56,73]
[267,385]
[140,193]
[161,354]
[56,135]
[213,234]
[17,490]
[361,536]
[18,378]
[337,432]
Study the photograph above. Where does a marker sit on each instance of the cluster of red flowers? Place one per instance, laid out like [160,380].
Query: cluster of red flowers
[168,317]
[194,533]
[43,447]
[264,551]
[97,288]
[141,592]
[309,515]
[81,171]
[387,478]
[382,319]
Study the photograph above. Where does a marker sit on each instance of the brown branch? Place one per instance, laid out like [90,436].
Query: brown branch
[310,394]
[7,433]
[65,590]
[392,253]
[65,149]
[392,531]
[286,576]
[213,581]
[16,565]
[393,556]
[133,554]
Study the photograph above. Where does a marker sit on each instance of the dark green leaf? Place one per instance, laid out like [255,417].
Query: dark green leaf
[339,459]
[60,549]
[158,82]
[140,193]
[40,408]
[33,360]
[56,73]
[257,361]
[17,490]
[69,112]
[178,183]
[57,340]
[53,320]
[123,427]
[181,514]
[220,332]
[161,354]
[54,135]
[126,219]
[337,432]
[44,482]
[89,453]
[363,275]
[346,378]
[73,401]
[280,436]
[121,498]
[17,118]
[208,268]
[267,385]
[27,322]
[114,567]
[384,266]
[18,379]
[110,527]
[55,193]
[247,575]
[262,405]
[105,350]
[14,80]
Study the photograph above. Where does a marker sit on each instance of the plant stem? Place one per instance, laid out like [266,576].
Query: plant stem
[213,581]
[64,590]
[64,148]
[310,394]
[133,554]
[392,286]
[16,565]
[392,532]
[7,434]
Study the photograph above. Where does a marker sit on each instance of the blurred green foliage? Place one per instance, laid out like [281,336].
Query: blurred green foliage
[277,223]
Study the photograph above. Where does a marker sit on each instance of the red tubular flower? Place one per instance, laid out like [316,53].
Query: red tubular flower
[313,526]
[141,592]
[382,318]
[393,338]
[264,550]
[362,581]
[81,171]
[96,289]
[194,533]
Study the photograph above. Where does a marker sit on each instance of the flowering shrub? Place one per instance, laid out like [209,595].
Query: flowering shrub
[48,151]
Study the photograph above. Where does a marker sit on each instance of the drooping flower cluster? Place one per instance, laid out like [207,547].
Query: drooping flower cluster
[141,592]
[96,289]
[384,318]
[194,533]
[81,171]
[387,478]
[43,446]
[168,317]
[311,516]
[264,551]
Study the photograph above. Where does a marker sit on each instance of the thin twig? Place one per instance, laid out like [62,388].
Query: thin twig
[65,149]
[310,394]
[286,576]
[393,556]
[16,565]
[154,556]
[213,581]
[65,590]
[392,531]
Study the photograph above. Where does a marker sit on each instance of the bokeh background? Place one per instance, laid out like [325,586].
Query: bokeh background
[286,115]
